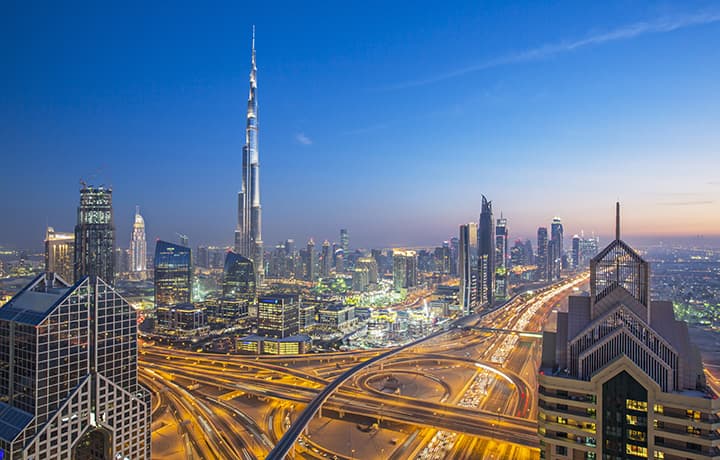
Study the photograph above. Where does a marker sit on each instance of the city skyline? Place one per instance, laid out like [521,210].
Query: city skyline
[518,105]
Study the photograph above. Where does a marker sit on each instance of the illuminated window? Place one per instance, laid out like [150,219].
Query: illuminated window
[693,414]
[659,409]
[638,451]
[636,435]
[562,420]
[693,430]
[659,454]
[640,406]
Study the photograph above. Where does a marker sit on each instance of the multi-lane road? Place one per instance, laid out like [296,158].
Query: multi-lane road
[488,382]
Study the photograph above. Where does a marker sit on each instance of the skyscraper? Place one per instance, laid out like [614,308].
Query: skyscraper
[501,257]
[542,254]
[326,261]
[468,266]
[620,377]
[454,248]
[555,258]
[68,374]
[59,253]
[173,274]
[138,245]
[248,235]
[95,235]
[238,285]
[576,251]
[310,261]
[405,269]
[486,253]
[345,241]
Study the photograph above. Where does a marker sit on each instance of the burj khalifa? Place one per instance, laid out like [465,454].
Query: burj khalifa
[248,234]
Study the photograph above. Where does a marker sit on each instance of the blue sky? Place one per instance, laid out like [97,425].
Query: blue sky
[389,120]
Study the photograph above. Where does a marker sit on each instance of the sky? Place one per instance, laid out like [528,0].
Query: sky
[390,119]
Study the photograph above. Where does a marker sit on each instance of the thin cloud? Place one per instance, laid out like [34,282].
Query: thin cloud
[687,203]
[623,33]
[303,139]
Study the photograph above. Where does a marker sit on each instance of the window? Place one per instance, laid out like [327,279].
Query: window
[693,414]
[659,409]
[637,451]
[561,450]
[636,435]
[632,404]
[659,454]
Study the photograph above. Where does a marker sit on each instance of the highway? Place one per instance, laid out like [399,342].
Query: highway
[338,382]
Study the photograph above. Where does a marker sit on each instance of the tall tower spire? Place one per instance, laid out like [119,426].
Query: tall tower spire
[617,220]
[248,234]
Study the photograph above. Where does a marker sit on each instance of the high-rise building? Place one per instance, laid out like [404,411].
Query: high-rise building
[405,269]
[238,285]
[95,235]
[326,262]
[442,258]
[556,255]
[59,253]
[173,274]
[339,260]
[486,254]
[501,258]
[202,257]
[278,316]
[360,279]
[541,260]
[138,245]
[248,234]
[122,260]
[576,251]
[68,374]
[589,247]
[345,240]
[310,261]
[454,248]
[371,265]
[620,377]
[468,254]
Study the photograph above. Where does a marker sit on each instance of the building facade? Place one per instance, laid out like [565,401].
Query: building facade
[138,246]
[59,253]
[541,259]
[502,260]
[468,267]
[556,250]
[620,378]
[486,254]
[86,405]
[278,316]
[405,269]
[248,233]
[173,274]
[95,235]
[238,285]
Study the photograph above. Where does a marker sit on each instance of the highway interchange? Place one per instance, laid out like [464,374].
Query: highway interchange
[464,392]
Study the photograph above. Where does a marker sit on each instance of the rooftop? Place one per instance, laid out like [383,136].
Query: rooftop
[36,300]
